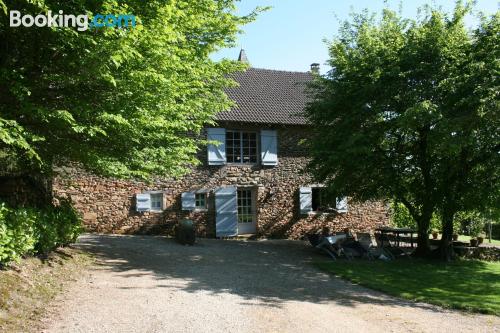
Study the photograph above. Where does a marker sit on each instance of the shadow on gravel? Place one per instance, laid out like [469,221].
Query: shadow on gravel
[273,271]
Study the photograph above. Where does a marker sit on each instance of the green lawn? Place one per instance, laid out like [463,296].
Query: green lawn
[465,284]
[466,239]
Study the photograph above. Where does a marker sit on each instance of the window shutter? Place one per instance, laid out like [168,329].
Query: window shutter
[188,200]
[216,153]
[305,196]
[143,202]
[226,212]
[342,205]
[269,147]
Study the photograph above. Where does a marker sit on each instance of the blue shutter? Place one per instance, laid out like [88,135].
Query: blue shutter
[216,152]
[226,212]
[269,147]
[305,196]
[188,200]
[143,202]
[342,205]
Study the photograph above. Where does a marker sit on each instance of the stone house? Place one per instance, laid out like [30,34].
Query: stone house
[254,181]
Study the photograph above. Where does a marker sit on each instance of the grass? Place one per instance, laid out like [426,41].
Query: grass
[27,288]
[466,239]
[465,284]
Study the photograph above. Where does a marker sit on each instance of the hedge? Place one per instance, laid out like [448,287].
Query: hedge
[25,231]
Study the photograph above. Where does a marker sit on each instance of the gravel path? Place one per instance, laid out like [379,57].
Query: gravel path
[152,284]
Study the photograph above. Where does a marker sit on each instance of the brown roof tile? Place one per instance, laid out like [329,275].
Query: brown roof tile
[268,96]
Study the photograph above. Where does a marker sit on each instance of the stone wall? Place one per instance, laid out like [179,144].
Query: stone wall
[108,204]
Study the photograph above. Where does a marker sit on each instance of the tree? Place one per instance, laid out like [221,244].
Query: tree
[469,179]
[125,102]
[398,112]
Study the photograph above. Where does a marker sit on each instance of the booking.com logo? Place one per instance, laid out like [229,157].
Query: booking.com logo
[81,22]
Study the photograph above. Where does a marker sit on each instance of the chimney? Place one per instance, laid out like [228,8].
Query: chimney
[243,57]
[315,68]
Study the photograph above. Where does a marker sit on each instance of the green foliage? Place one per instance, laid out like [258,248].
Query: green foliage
[69,223]
[47,235]
[125,102]
[409,111]
[17,233]
[401,218]
[472,223]
[29,230]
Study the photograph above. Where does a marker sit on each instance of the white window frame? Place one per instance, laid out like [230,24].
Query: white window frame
[154,196]
[249,209]
[205,200]
[257,143]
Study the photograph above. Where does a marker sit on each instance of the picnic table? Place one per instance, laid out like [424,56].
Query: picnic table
[397,232]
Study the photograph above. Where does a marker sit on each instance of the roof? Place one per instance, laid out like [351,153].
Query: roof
[268,96]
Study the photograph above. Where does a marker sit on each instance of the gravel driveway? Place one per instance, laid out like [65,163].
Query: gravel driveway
[152,284]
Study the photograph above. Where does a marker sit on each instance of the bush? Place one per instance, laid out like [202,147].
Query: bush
[46,232]
[472,223]
[29,230]
[401,218]
[69,223]
[17,233]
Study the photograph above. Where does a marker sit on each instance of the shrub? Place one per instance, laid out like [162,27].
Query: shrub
[46,232]
[471,223]
[401,218]
[29,230]
[17,233]
[69,223]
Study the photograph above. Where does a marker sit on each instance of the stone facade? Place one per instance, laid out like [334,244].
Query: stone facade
[108,205]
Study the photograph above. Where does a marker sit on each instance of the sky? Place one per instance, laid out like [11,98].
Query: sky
[290,36]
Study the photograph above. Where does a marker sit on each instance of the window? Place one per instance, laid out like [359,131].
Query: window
[149,202]
[245,206]
[200,201]
[241,147]
[319,202]
[156,201]
[316,199]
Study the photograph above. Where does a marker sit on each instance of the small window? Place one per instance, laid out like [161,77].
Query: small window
[319,202]
[241,147]
[156,201]
[201,201]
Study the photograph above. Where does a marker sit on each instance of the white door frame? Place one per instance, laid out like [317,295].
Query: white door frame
[246,202]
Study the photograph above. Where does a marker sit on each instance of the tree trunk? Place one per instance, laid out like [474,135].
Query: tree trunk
[446,246]
[423,249]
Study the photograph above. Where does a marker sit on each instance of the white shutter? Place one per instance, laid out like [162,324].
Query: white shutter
[342,205]
[269,147]
[216,153]
[143,202]
[188,200]
[226,212]
[305,196]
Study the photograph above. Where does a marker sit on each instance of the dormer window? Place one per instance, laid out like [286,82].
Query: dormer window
[241,146]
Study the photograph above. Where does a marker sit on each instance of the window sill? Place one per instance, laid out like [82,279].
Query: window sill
[242,164]
[200,210]
[327,213]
